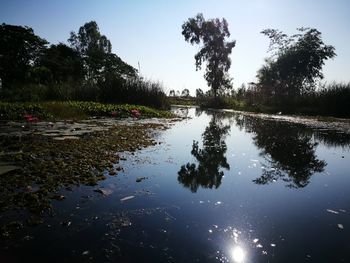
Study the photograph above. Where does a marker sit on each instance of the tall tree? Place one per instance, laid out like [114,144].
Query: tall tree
[96,51]
[20,50]
[295,63]
[215,49]
[199,93]
[185,93]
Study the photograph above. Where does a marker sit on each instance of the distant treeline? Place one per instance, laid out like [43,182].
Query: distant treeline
[86,69]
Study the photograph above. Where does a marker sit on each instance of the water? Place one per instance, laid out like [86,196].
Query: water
[221,187]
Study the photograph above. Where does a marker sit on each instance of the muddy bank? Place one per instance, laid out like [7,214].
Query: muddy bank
[37,160]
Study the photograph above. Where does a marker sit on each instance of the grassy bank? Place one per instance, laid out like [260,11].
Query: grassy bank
[75,110]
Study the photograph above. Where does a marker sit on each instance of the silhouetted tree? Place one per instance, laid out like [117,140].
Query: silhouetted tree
[295,64]
[96,52]
[215,50]
[199,93]
[172,93]
[210,158]
[63,62]
[20,50]
[185,93]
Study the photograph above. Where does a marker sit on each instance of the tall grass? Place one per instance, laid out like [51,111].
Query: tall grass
[332,100]
[111,89]
[134,91]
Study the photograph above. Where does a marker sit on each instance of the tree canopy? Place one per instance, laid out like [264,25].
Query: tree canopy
[20,49]
[215,49]
[295,63]
[96,52]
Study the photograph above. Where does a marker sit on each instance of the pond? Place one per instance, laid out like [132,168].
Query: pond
[218,187]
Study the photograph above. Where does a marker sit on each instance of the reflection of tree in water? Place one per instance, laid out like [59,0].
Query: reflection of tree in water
[210,158]
[288,149]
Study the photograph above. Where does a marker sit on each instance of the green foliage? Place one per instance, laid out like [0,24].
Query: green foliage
[185,93]
[294,66]
[16,111]
[25,92]
[20,50]
[63,62]
[74,110]
[96,52]
[199,93]
[215,50]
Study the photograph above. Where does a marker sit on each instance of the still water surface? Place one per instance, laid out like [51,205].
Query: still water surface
[221,187]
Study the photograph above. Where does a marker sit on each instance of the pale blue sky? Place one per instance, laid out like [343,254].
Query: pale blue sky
[150,31]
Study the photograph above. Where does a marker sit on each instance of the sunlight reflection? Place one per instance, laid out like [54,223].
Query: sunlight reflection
[238,254]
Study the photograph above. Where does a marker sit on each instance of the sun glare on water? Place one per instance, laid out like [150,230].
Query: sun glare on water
[238,254]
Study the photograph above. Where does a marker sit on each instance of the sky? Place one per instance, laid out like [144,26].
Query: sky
[149,32]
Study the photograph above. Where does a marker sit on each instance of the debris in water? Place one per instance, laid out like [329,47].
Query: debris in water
[127,198]
[58,197]
[103,191]
[255,240]
[340,226]
[66,223]
[332,211]
[273,245]
[140,179]
[85,253]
